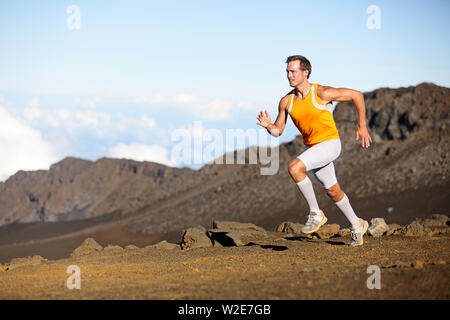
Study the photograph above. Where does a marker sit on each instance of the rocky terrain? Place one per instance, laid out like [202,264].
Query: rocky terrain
[233,260]
[402,176]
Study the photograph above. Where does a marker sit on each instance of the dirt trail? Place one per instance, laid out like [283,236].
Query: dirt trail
[281,267]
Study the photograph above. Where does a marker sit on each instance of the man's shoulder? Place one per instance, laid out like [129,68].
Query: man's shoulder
[323,91]
[285,99]
[321,87]
[287,95]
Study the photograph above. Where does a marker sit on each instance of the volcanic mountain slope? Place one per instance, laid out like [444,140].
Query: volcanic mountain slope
[77,189]
[406,168]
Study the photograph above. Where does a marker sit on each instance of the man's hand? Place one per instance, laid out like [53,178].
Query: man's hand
[277,128]
[264,119]
[365,136]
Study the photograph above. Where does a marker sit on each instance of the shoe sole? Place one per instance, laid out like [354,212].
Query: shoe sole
[366,226]
[318,227]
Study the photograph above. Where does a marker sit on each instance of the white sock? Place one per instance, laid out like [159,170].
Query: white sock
[347,210]
[306,188]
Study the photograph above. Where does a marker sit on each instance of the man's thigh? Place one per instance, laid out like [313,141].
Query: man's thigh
[321,154]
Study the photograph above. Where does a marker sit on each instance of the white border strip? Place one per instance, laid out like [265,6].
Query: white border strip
[292,103]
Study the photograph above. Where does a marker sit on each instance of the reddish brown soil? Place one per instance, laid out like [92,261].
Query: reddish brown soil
[281,267]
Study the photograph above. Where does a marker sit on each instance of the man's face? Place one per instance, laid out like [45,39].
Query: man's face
[294,74]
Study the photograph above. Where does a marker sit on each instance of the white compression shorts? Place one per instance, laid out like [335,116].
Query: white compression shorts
[319,158]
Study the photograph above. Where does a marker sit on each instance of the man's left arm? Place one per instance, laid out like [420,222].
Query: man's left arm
[328,94]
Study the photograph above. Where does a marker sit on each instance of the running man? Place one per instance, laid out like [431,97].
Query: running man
[311,109]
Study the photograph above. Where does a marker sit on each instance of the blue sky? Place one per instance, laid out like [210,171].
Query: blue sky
[136,71]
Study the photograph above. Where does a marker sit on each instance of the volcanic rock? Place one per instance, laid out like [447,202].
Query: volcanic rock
[436,220]
[19,262]
[87,247]
[393,228]
[414,229]
[195,237]
[327,231]
[232,225]
[113,247]
[290,227]
[164,245]
[377,227]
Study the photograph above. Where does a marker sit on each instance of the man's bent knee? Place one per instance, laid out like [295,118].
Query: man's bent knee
[297,170]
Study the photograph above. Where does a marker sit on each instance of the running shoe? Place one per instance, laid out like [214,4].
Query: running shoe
[358,233]
[315,221]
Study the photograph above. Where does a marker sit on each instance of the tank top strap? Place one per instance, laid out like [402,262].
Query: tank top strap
[290,103]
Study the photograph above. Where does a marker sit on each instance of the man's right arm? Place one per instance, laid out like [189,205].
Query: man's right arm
[277,128]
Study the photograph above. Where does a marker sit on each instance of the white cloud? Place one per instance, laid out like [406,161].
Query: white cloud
[147,121]
[34,102]
[123,123]
[31,113]
[215,109]
[157,98]
[185,98]
[22,147]
[141,152]
[248,106]
[63,114]
[91,118]
[52,121]
[206,109]
[202,108]
[103,125]
[87,102]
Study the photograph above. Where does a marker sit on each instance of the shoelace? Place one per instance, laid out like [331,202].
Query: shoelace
[354,234]
[311,217]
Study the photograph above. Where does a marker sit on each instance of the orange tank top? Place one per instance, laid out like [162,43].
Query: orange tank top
[313,119]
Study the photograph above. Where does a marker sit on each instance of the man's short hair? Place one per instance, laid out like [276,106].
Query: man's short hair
[304,63]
